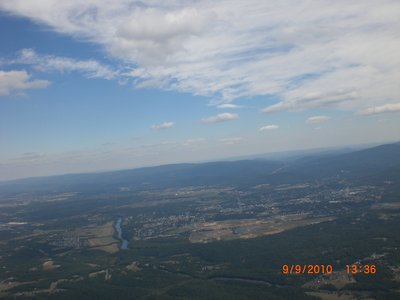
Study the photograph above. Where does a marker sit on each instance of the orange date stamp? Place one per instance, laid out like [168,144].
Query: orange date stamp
[368,269]
[307,269]
[327,269]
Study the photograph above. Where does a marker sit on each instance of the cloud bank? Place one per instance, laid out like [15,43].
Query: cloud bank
[338,54]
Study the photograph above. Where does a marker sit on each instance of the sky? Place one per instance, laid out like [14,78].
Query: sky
[102,85]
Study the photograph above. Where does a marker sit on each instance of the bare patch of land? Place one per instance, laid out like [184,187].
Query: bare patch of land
[331,295]
[102,237]
[250,228]
[49,265]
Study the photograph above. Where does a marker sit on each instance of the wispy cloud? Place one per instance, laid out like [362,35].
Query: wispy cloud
[307,56]
[269,127]
[317,119]
[50,63]
[19,80]
[220,118]
[231,141]
[194,142]
[389,107]
[229,105]
[165,125]
[30,158]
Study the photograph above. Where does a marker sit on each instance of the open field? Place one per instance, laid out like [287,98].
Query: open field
[250,228]
[101,238]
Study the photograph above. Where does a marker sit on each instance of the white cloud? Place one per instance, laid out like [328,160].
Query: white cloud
[165,125]
[50,63]
[389,107]
[19,80]
[317,119]
[341,54]
[269,127]
[229,105]
[231,141]
[220,118]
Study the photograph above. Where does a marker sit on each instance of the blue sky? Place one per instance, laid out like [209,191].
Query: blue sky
[118,84]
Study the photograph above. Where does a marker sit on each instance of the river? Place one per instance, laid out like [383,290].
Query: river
[124,243]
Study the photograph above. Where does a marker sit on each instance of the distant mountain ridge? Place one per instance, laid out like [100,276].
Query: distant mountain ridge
[380,162]
[362,163]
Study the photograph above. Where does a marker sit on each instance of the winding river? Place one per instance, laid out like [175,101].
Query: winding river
[124,243]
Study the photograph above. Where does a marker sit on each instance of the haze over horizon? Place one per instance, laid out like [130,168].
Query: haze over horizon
[110,85]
